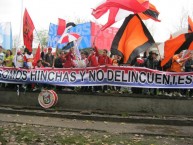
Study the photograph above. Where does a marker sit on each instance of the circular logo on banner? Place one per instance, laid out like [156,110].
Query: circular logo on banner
[47,98]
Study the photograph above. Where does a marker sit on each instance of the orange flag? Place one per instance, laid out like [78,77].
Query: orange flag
[28,28]
[151,13]
[176,45]
[131,39]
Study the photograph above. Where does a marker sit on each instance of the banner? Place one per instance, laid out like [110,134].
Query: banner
[93,76]
[6,35]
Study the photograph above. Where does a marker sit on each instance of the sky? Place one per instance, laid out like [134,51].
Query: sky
[43,12]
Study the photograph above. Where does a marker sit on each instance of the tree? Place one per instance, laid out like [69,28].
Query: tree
[41,37]
[16,42]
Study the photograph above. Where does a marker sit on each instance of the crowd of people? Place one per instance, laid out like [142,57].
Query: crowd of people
[68,59]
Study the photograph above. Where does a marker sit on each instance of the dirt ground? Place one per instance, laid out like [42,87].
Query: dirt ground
[28,134]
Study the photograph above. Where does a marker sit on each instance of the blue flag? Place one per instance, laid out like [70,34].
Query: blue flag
[53,37]
[6,35]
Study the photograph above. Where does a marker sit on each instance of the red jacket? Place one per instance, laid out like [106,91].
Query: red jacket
[93,60]
[69,60]
[104,60]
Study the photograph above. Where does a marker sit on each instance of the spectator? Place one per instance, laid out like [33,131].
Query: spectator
[116,60]
[18,59]
[48,60]
[28,59]
[177,66]
[39,86]
[152,63]
[9,58]
[2,56]
[70,57]
[104,59]
[92,58]
[177,62]
[60,60]
[189,68]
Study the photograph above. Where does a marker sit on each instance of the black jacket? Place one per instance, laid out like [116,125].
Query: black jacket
[188,64]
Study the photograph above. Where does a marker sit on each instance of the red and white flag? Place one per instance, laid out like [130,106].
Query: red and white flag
[28,28]
[68,37]
[119,10]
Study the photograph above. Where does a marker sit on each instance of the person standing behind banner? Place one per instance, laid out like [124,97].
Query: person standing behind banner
[9,59]
[152,63]
[28,59]
[18,59]
[93,62]
[84,63]
[104,60]
[9,63]
[70,57]
[189,68]
[60,60]
[92,58]
[177,62]
[2,56]
[48,60]
[177,66]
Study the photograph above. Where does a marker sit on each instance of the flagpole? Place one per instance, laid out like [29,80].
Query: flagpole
[21,22]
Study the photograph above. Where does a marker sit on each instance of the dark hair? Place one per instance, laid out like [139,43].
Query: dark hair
[39,61]
[85,53]
[10,52]
[105,50]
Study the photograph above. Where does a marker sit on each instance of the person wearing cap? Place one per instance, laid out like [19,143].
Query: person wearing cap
[153,63]
[48,60]
[2,56]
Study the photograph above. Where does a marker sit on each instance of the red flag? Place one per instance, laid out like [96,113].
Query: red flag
[61,26]
[37,56]
[28,28]
[190,25]
[131,39]
[119,9]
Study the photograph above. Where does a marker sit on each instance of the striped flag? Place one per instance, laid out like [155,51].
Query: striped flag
[176,45]
[150,13]
[131,39]
[6,35]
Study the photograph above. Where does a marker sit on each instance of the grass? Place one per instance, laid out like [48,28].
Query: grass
[26,135]
[2,139]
